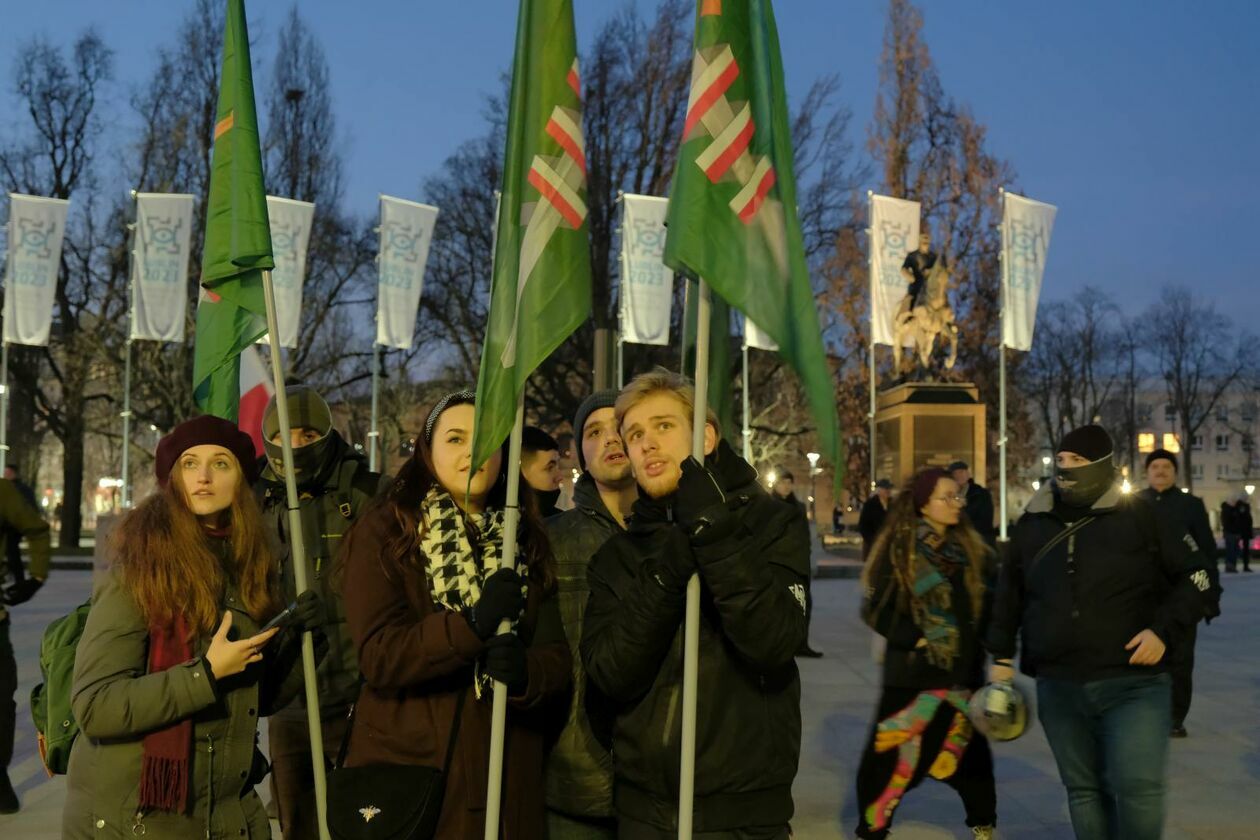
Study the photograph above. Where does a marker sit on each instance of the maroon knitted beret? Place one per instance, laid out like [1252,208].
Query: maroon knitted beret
[205,430]
[924,484]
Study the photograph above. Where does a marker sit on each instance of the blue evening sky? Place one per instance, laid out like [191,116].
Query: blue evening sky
[1138,118]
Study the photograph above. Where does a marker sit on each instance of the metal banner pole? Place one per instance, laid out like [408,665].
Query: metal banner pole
[4,406]
[870,270]
[1002,381]
[131,330]
[747,431]
[374,435]
[297,555]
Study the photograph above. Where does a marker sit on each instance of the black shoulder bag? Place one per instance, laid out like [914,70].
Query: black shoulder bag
[388,801]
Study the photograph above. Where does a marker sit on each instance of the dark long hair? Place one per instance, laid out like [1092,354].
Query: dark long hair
[160,552]
[896,545]
[413,482]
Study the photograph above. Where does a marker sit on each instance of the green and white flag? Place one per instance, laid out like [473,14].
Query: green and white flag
[232,314]
[541,286]
[732,212]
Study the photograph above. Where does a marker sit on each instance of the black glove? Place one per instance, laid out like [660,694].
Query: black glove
[699,501]
[22,591]
[505,661]
[501,598]
[308,611]
[673,567]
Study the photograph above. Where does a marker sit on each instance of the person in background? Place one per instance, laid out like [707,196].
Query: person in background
[1246,531]
[1189,516]
[837,519]
[12,538]
[979,501]
[579,766]
[926,590]
[18,518]
[334,487]
[540,467]
[1232,534]
[871,520]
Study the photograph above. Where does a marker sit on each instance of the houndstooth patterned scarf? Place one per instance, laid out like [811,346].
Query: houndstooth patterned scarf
[455,570]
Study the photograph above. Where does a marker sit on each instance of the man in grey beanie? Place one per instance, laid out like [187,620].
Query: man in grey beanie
[579,767]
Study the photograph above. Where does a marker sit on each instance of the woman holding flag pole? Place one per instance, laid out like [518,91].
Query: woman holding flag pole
[432,588]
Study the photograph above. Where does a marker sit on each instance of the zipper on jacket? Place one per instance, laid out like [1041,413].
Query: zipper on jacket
[1071,570]
[209,783]
[138,828]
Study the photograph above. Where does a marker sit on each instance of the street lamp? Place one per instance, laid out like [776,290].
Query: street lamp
[770,478]
[813,471]
[1249,488]
[1036,485]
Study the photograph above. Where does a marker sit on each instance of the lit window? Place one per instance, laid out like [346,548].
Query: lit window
[1146,442]
[1171,443]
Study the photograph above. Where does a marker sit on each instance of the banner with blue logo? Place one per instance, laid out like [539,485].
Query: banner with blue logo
[37,227]
[159,266]
[290,223]
[647,284]
[406,232]
[894,234]
[1026,229]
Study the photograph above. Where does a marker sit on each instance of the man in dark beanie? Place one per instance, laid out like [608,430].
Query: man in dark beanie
[1096,584]
[978,500]
[579,767]
[1190,516]
[334,486]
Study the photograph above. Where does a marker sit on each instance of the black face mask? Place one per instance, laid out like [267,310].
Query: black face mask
[1084,485]
[307,460]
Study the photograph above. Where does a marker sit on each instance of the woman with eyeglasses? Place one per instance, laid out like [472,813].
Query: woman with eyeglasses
[927,592]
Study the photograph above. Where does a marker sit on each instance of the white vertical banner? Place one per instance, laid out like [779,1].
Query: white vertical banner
[756,339]
[406,232]
[1026,229]
[159,266]
[647,284]
[894,233]
[290,222]
[37,227]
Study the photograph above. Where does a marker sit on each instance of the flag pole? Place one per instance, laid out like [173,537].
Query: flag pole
[691,631]
[131,330]
[498,714]
[619,357]
[870,270]
[4,345]
[1002,380]
[374,435]
[297,554]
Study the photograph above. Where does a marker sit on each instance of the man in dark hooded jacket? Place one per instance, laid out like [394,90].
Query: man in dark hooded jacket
[334,486]
[753,562]
[579,767]
[1095,583]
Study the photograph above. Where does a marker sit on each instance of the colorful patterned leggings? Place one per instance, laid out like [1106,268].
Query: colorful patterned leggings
[918,734]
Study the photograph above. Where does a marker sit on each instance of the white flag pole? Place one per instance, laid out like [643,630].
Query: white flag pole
[870,270]
[747,430]
[622,283]
[511,522]
[4,345]
[374,435]
[1002,378]
[297,554]
[691,627]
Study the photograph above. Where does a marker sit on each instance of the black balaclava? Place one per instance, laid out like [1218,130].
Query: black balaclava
[1084,485]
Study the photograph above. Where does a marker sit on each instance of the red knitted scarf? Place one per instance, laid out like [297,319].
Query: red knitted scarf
[164,773]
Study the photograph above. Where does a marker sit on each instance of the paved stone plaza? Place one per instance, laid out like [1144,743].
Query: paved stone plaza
[1214,774]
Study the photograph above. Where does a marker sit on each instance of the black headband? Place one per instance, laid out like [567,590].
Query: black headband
[462,396]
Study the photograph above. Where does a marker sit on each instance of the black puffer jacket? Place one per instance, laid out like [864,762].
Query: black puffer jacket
[1186,513]
[1077,606]
[752,622]
[579,767]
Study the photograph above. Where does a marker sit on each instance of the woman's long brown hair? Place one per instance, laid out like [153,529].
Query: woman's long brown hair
[895,545]
[166,564]
[406,496]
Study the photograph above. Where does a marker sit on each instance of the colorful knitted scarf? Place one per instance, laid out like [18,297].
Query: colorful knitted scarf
[935,561]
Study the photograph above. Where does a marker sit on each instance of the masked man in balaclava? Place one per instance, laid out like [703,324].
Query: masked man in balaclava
[1095,584]
[334,486]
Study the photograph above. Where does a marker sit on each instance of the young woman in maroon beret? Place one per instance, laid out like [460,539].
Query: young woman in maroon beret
[172,672]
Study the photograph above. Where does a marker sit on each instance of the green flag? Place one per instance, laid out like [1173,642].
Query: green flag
[540,289]
[732,210]
[231,314]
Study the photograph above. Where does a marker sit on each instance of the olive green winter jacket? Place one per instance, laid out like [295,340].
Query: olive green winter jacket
[117,703]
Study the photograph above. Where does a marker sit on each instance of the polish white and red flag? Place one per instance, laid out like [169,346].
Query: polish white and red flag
[256,391]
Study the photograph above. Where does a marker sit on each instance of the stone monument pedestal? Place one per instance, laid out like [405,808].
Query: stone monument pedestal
[928,424]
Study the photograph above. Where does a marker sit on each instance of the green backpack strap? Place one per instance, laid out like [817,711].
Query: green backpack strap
[51,709]
[354,479]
